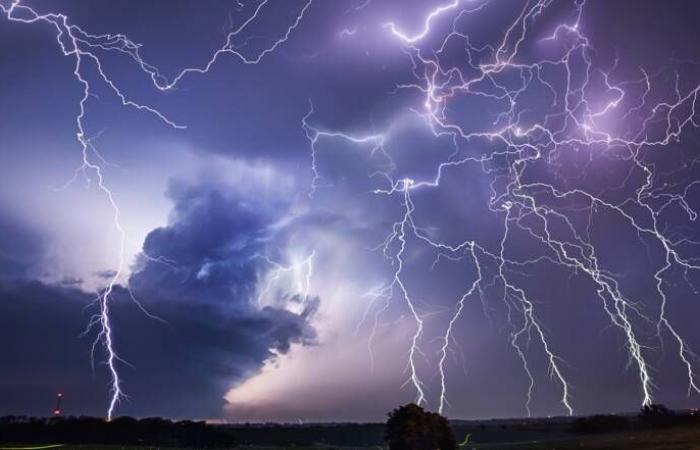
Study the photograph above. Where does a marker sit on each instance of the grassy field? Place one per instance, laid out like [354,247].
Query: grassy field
[675,438]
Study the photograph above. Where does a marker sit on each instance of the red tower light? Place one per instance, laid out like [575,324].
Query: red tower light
[57,410]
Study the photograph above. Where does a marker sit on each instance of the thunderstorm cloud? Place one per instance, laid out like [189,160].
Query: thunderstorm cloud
[289,207]
[210,333]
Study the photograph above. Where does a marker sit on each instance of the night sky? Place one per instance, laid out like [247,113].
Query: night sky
[318,210]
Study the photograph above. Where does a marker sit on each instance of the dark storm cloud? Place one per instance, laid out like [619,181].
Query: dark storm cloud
[209,249]
[40,324]
[199,272]
[214,334]
[201,280]
[41,351]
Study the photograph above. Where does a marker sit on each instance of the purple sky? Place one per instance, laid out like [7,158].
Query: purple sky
[318,210]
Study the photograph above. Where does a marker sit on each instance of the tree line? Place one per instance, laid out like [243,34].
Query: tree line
[408,427]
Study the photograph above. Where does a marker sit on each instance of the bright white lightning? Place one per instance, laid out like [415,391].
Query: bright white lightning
[294,277]
[525,143]
[449,329]
[426,24]
[519,202]
[75,42]
[314,135]
[399,235]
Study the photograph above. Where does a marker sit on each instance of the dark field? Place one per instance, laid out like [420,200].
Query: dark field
[598,432]
[672,438]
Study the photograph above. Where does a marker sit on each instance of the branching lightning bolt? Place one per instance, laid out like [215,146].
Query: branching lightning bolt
[298,272]
[82,46]
[573,121]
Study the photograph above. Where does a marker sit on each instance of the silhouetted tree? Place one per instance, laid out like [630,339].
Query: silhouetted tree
[410,427]
[655,410]
[656,415]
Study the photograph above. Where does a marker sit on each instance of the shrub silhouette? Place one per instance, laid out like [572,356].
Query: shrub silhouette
[410,427]
[655,411]
[657,415]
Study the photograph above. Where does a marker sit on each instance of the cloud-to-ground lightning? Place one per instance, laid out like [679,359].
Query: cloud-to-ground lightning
[506,74]
[77,43]
[547,108]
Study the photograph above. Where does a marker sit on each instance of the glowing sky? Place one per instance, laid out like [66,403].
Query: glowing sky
[319,209]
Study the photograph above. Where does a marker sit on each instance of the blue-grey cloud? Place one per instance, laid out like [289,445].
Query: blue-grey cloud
[203,288]
[201,271]
[19,249]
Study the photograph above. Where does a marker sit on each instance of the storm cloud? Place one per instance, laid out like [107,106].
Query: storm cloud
[258,249]
[199,280]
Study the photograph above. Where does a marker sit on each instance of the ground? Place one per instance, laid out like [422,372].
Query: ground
[673,438]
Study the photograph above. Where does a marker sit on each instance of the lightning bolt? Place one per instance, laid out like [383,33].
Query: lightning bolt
[298,273]
[82,46]
[575,120]
[314,135]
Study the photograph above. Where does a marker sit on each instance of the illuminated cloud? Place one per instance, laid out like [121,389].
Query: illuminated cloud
[315,203]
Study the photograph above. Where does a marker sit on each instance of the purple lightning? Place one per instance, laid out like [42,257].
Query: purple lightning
[572,121]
